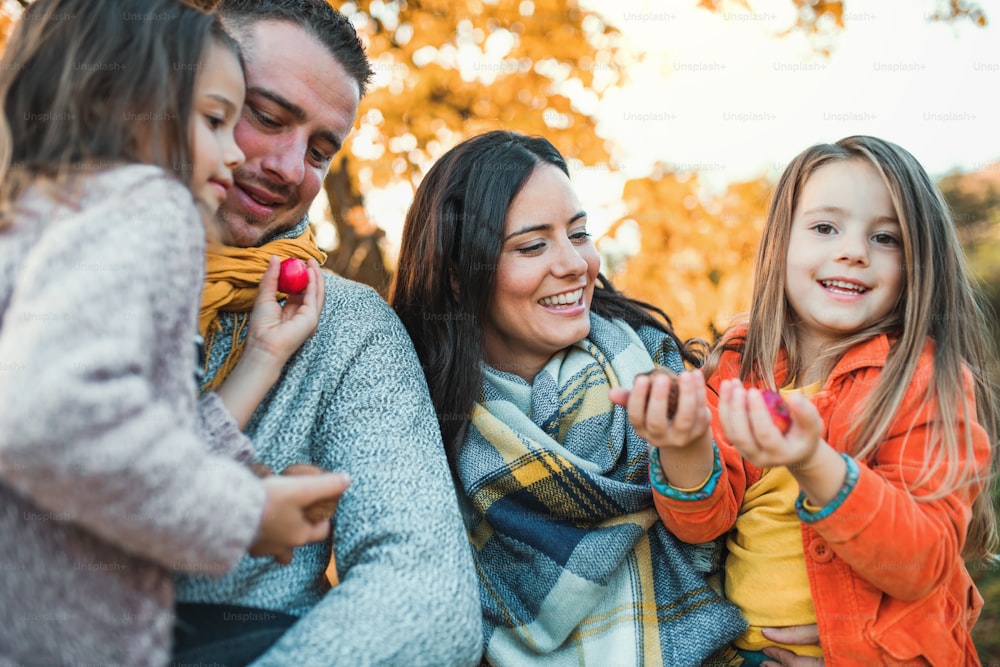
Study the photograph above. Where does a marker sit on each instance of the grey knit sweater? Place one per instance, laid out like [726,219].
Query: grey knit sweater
[105,486]
[354,399]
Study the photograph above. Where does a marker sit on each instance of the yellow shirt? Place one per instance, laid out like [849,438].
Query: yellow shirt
[766,568]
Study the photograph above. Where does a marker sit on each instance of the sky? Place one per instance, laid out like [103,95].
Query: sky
[721,94]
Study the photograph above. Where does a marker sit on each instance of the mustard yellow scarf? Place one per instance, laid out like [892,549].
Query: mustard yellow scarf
[232,279]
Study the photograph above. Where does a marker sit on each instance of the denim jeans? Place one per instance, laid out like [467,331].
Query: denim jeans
[225,635]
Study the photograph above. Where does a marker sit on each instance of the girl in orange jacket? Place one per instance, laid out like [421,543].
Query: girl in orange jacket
[857,514]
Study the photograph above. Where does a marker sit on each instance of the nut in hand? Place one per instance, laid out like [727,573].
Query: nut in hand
[674,390]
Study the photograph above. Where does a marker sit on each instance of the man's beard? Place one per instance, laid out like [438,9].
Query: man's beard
[287,194]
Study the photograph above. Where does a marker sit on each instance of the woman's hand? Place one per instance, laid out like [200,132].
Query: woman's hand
[682,434]
[793,634]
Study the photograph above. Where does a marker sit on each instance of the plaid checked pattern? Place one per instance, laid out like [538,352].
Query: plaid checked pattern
[575,568]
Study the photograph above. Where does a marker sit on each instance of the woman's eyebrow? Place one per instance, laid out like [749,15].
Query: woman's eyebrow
[537,228]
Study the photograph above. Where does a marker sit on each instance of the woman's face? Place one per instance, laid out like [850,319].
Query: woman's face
[544,278]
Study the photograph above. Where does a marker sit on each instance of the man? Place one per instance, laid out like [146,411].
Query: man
[352,399]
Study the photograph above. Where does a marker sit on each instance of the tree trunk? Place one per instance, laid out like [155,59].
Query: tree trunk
[358,255]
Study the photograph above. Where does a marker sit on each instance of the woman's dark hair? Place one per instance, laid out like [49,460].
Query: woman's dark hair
[90,84]
[447,266]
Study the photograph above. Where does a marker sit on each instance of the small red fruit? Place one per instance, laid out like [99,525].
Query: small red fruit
[776,405]
[294,276]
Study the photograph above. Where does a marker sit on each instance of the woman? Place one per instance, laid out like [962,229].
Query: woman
[521,339]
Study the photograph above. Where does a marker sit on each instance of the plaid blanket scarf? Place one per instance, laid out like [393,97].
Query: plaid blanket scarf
[574,566]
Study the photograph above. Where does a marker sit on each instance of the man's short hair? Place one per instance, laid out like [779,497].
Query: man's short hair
[326,24]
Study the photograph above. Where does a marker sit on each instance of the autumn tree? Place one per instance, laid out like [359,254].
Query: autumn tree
[822,19]
[975,203]
[696,257]
[9,10]
[446,70]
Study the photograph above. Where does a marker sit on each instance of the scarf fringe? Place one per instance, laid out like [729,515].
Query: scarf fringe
[724,657]
[236,350]
[704,556]
[232,278]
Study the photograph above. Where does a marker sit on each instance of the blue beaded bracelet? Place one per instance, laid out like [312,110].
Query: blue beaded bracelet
[849,483]
[659,480]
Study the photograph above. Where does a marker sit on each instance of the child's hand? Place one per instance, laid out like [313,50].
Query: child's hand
[275,334]
[319,511]
[747,423]
[652,412]
[285,523]
[277,331]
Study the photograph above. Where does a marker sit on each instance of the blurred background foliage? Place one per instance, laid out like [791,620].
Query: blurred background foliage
[446,70]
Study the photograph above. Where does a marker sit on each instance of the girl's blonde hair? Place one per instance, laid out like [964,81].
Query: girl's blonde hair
[937,302]
[92,84]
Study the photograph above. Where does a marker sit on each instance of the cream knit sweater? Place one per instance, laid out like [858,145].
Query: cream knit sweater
[106,485]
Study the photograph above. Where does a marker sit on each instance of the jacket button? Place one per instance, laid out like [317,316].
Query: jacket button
[820,551]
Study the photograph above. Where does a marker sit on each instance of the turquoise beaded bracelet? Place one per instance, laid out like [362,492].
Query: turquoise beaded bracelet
[659,480]
[849,483]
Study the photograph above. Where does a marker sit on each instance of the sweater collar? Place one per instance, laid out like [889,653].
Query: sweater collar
[290,233]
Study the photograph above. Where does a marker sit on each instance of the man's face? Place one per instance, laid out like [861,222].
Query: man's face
[300,106]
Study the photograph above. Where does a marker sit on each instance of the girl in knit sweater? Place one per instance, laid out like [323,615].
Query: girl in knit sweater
[112,473]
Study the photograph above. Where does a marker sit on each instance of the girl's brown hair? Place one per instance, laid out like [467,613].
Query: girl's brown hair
[87,85]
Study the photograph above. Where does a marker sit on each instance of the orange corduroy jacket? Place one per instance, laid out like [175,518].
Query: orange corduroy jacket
[887,579]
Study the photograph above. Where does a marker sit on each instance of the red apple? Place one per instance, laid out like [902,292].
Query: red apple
[294,276]
[776,405]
